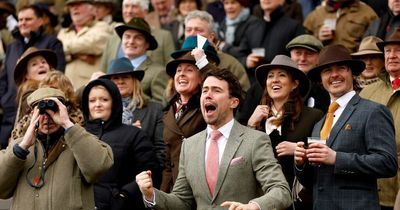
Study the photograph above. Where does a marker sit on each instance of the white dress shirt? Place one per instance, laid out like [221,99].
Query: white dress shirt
[226,131]
[342,101]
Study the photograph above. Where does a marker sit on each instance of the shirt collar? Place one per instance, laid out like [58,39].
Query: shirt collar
[225,129]
[138,60]
[344,99]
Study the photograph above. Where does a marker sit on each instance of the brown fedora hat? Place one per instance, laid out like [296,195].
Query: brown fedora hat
[368,47]
[393,38]
[20,69]
[172,65]
[335,54]
[286,63]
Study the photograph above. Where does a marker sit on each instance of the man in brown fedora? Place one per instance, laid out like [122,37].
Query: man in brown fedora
[385,92]
[357,142]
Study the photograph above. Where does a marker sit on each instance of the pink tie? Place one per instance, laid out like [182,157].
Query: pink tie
[212,161]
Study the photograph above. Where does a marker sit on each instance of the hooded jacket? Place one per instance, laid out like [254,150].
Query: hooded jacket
[133,153]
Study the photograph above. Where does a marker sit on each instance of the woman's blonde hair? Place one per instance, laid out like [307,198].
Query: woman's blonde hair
[137,94]
[56,79]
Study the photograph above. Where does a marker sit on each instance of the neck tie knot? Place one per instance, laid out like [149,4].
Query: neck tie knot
[396,84]
[326,129]
[333,107]
[215,135]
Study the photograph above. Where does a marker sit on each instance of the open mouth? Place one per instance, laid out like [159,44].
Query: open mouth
[42,72]
[276,87]
[210,108]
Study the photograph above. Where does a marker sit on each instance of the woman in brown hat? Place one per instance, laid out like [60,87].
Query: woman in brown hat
[281,113]
[56,80]
[183,117]
[374,61]
[31,68]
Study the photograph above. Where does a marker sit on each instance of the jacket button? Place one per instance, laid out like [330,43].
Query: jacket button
[320,189]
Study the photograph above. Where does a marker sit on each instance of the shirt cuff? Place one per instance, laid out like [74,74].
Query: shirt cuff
[150,204]
[253,202]
[202,62]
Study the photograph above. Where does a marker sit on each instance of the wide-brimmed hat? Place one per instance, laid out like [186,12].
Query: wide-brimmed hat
[43,93]
[20,69]
[7,6]
[286,63]
[335,54]
[123,66]
[190,43]
[305,41]
[78,1]
[172,65]
[393,38]
[368,47]
[138,24]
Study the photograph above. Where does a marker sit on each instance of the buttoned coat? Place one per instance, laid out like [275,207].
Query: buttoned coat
[68,181]
[175,131]
[381,92]
[363,138]
[90,40]
[256,176]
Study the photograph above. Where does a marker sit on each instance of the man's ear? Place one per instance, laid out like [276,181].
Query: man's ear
[234,102]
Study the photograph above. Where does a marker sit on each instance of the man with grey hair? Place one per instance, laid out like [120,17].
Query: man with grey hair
[83,42]
[160,55]
[202,23]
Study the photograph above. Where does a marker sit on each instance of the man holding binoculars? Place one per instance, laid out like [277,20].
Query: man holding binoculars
[56,163]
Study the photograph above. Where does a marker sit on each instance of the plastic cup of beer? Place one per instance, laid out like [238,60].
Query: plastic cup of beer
[313,140]
[260,52]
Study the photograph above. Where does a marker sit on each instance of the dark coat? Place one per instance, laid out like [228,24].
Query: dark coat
[384,26]
[301,130]
[175,131]
[8,89]
[133,153]
[151,120]
[240,32]
[273,36]
[364,141]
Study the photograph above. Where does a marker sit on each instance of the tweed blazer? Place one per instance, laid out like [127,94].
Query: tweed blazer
[363,138]
[248,171]
[382,92]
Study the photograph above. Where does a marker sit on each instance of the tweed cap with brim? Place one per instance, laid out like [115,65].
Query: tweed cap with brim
[305,41]
[43,93]
[121,66]
[108,2]
[335,55]
[172,65]
[20,69]
[368,47]
[393,38]
[190,43]
[138,24]
[286,63]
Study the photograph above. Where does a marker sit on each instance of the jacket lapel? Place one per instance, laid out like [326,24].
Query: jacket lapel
[234,141]
[200,162]
[347,112]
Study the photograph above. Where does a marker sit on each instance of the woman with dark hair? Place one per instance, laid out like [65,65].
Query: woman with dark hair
[132,149]
[183,116]
[281,113]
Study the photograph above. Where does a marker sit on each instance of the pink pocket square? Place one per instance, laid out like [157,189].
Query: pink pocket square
[237,161]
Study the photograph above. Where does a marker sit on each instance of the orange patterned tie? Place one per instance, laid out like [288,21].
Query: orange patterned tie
[212,164]
[328,121]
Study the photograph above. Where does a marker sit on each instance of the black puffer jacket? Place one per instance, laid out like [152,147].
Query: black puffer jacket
[133,153]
